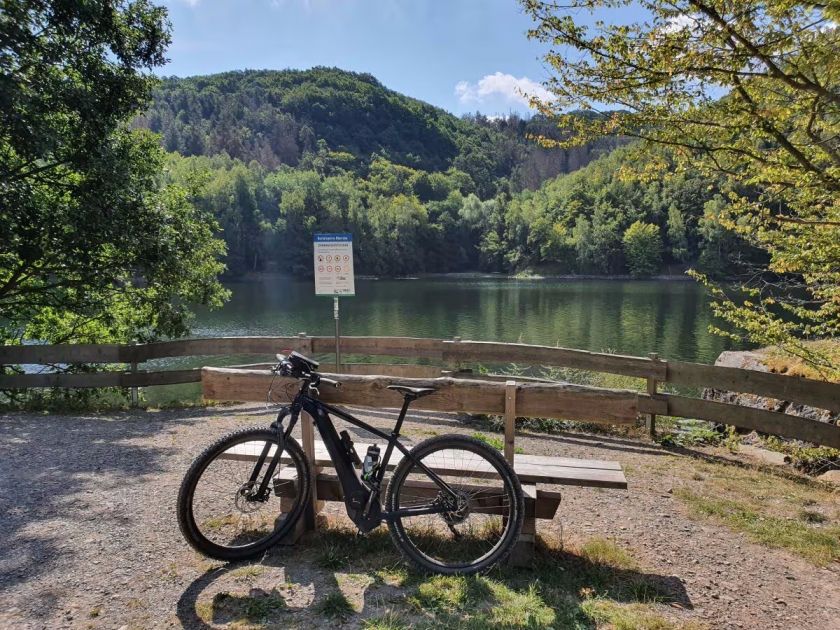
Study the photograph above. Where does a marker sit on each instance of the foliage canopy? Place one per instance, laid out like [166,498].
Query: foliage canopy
[93,246]
[747,90]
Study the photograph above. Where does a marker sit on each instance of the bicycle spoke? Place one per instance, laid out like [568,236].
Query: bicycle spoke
[474,526]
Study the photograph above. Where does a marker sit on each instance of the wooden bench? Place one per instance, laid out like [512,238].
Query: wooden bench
[535,472]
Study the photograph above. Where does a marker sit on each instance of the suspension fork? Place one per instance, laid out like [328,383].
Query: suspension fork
[282,435]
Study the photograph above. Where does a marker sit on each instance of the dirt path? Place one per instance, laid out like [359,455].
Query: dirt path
[90,540]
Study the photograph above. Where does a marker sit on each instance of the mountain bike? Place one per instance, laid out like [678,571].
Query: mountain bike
[453,504]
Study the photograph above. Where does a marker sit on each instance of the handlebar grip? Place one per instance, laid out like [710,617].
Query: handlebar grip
[330,381]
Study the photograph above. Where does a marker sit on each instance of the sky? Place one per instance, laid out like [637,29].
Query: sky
[462,55]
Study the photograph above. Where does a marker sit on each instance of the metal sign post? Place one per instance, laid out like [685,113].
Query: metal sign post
[333,265]
[337,336]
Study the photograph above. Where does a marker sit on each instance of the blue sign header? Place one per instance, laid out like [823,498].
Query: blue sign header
[333,238]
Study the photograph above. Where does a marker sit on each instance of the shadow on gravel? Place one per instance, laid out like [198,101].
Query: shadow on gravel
[68,476]
[560,581]
[602,441]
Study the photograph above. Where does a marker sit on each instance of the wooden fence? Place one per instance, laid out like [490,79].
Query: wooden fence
[365,382]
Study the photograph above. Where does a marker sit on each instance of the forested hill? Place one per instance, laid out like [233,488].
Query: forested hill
[281,117]
[278,156]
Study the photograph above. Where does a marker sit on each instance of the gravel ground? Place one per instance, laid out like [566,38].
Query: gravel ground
[90,539]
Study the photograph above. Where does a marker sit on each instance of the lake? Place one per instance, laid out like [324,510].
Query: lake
[629,317]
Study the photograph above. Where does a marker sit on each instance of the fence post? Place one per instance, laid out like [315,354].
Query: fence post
[135,393]
[651,390]
[454,364]
[305,344]
[510,420]
[307,438]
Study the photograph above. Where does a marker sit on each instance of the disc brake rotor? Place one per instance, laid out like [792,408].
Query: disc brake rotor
[244,501]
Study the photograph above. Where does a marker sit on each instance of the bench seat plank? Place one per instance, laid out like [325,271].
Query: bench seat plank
[545,470]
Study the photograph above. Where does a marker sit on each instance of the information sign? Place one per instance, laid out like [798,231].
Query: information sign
[334,264]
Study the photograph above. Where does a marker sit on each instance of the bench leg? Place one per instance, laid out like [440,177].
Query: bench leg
[306,523]
[303,525]
[523,551]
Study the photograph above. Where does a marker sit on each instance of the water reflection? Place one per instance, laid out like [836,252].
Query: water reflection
[637,317]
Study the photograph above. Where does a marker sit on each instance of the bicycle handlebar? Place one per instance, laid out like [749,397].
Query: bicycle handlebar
[285,367]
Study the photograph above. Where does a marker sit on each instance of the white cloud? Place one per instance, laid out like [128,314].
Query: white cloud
[192,3]
[678,23]
[508,87]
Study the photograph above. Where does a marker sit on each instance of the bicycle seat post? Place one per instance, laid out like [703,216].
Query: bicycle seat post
[407,398]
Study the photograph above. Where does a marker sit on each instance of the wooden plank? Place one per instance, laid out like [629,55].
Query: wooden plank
[549,400]
[655,404]
[407,370]
[652,390]
[390,346]
[80,381]
[494,352]
[547,503]
[772,422]
[100,379]
[220,346]
[820,394]
[510,420]
[528,472]
[568,462]
[322,458]
[162,377]
[66,353]
[307,440]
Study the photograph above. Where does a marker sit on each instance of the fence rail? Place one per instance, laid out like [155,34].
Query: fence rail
[450,356]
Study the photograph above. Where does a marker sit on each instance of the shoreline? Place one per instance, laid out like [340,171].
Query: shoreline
[469,275]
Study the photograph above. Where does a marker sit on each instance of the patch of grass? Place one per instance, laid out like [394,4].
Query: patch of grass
[495,442]
[811,460]
[335,605]
[482,602]
[333,555]
[523,609]
[339,546]
[256,607]
[389,621]
[827,350]
[441,593]
[551,594]
[821,545]
[617,616]
[509,601]
[605,552]
[810,516]
[248,572]
[392,576]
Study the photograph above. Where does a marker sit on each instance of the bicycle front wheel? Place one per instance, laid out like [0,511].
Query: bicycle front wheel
[219,512]
[481,525]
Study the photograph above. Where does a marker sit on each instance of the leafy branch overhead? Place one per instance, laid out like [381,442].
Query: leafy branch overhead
[749,91]
[95,247]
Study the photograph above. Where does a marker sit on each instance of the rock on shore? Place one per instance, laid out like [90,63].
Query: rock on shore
[753,360]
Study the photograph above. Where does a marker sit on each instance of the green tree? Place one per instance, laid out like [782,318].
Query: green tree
[94,248]
[643,249]
[584,244]
[746,90]
[677,235]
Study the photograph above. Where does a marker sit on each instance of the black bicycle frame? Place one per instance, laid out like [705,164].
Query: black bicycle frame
[361,500]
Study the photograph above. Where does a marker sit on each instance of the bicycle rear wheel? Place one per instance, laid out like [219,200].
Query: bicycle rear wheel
[218,512]
[481,527]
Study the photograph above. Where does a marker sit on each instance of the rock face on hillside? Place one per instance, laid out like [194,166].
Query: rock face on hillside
[753,360]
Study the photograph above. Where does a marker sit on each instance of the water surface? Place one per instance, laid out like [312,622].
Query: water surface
[630,317]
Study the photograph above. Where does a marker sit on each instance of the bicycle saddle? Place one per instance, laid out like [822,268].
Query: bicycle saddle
[413,392]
